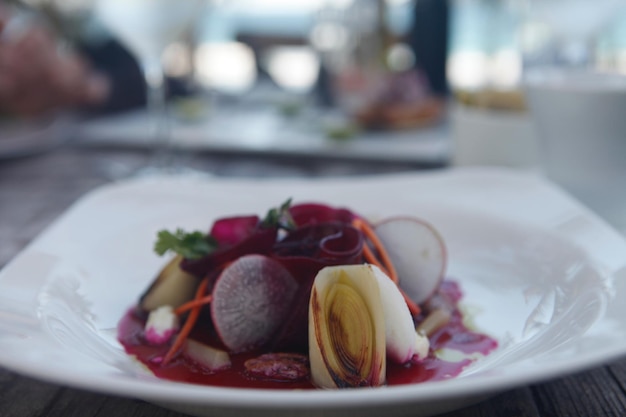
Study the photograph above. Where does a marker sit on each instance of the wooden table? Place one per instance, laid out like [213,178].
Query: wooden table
[35,190]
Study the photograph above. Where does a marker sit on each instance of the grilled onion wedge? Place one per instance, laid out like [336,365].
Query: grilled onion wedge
[357,321]
[346,328]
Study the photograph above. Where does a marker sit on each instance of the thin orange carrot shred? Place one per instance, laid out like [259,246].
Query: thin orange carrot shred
[386,265]
[193,303]
[382,252]
[371,258]
[189,323]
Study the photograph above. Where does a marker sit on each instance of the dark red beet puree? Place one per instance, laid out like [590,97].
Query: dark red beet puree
[454,335]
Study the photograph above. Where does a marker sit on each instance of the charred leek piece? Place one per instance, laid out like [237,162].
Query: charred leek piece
[346,328]
[172,287]
[402,341]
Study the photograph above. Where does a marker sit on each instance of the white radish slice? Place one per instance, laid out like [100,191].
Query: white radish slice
[251,298]
[401,339]
[418,253]
[206,356]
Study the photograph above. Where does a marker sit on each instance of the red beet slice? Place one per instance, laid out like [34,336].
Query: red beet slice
[304,252]
[258,240]
[232,230]
[251,299]
[322,241]
[312,213]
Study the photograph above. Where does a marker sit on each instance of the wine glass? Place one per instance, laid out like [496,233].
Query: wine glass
[147,27]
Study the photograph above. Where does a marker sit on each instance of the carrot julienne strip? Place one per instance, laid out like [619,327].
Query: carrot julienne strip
[382,252]
[371,258]
[189,323]
[386,265]
[193,303]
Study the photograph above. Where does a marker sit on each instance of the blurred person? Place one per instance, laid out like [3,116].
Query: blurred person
[127,88]
[36,78]
[429,40]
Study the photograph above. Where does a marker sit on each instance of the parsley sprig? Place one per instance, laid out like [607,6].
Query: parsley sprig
[279,217]
[196,244]
[192,245]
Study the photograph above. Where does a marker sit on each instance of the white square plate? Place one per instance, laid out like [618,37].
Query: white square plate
[538,270]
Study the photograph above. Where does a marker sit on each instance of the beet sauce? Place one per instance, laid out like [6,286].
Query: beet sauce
[454,335]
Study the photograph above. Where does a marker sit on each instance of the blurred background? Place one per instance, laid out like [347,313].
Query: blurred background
[378,64]
[434,83]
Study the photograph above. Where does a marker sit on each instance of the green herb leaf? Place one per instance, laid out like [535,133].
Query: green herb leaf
[192,245]
[279,217]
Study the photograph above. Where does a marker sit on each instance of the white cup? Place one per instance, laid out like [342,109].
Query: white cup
[492,137]
[580,121]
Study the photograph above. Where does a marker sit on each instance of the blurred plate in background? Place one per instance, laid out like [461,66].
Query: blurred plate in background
[22,138]
[266,131]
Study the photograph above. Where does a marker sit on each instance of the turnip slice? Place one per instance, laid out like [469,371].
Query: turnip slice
[251,298]
[206,356]
[418,253]
[172,287]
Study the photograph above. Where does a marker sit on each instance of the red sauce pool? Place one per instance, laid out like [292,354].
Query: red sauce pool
[454,335]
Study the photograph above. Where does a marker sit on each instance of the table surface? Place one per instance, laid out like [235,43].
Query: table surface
[34,190]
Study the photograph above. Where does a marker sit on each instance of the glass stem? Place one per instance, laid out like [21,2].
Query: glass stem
[158,112]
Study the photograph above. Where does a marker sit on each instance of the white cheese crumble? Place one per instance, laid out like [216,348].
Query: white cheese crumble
[161,325]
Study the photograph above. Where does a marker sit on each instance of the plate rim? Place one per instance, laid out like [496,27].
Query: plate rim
[156,389]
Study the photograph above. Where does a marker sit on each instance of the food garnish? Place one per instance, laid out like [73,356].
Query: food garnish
[308,296]
[192,245]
